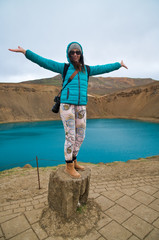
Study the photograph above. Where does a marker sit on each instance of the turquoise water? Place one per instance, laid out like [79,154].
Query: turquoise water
[107,140]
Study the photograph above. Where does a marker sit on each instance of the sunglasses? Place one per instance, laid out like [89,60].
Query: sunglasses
[73,52]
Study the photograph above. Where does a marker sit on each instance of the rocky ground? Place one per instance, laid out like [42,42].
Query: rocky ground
[20,183]
[123,204]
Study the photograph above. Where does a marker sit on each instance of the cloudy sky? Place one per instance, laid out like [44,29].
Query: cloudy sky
[108,30]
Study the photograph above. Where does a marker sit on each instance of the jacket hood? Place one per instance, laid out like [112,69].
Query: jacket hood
[68,48]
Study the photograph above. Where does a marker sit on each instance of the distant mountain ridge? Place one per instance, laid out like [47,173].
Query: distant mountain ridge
[98,85]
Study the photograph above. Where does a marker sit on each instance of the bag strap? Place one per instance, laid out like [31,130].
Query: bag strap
[69,80]
[88,70]
[73,75]
[66,66]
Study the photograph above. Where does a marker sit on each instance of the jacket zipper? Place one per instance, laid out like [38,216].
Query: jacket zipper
[67,93]
[79,88]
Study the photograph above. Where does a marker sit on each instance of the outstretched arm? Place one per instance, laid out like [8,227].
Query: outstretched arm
[42,62]
[100,69]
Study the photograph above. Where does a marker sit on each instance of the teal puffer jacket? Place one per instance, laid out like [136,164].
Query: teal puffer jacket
[76,91]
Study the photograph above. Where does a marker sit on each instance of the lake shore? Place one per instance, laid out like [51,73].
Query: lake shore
[153,120]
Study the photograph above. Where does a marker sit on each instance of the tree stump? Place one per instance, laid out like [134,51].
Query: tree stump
[66,193]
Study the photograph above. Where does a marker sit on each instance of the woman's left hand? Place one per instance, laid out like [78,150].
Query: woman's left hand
[123,65]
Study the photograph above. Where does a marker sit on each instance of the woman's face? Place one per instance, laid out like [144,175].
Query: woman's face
[75,55]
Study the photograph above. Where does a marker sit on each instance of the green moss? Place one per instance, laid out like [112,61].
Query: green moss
[47,168]
[82,208]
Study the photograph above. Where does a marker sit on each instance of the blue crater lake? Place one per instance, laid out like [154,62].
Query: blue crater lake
[107,140]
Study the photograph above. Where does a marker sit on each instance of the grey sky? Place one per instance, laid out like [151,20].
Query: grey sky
[108,30]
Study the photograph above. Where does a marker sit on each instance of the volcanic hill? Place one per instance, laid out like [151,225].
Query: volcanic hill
[123,98]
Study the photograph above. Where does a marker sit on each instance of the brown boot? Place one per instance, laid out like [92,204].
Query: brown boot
[77,166]
[71,170]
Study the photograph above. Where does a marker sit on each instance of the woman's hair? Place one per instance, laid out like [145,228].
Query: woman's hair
[78,65]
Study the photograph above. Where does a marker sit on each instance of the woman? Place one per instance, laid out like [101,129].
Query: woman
[73,99]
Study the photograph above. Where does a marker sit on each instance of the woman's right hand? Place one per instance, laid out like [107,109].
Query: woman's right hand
[19,49]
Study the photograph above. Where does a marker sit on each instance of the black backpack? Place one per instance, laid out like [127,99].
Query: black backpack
[66,68]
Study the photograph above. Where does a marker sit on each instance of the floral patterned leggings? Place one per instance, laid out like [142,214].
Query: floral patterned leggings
[74,121]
